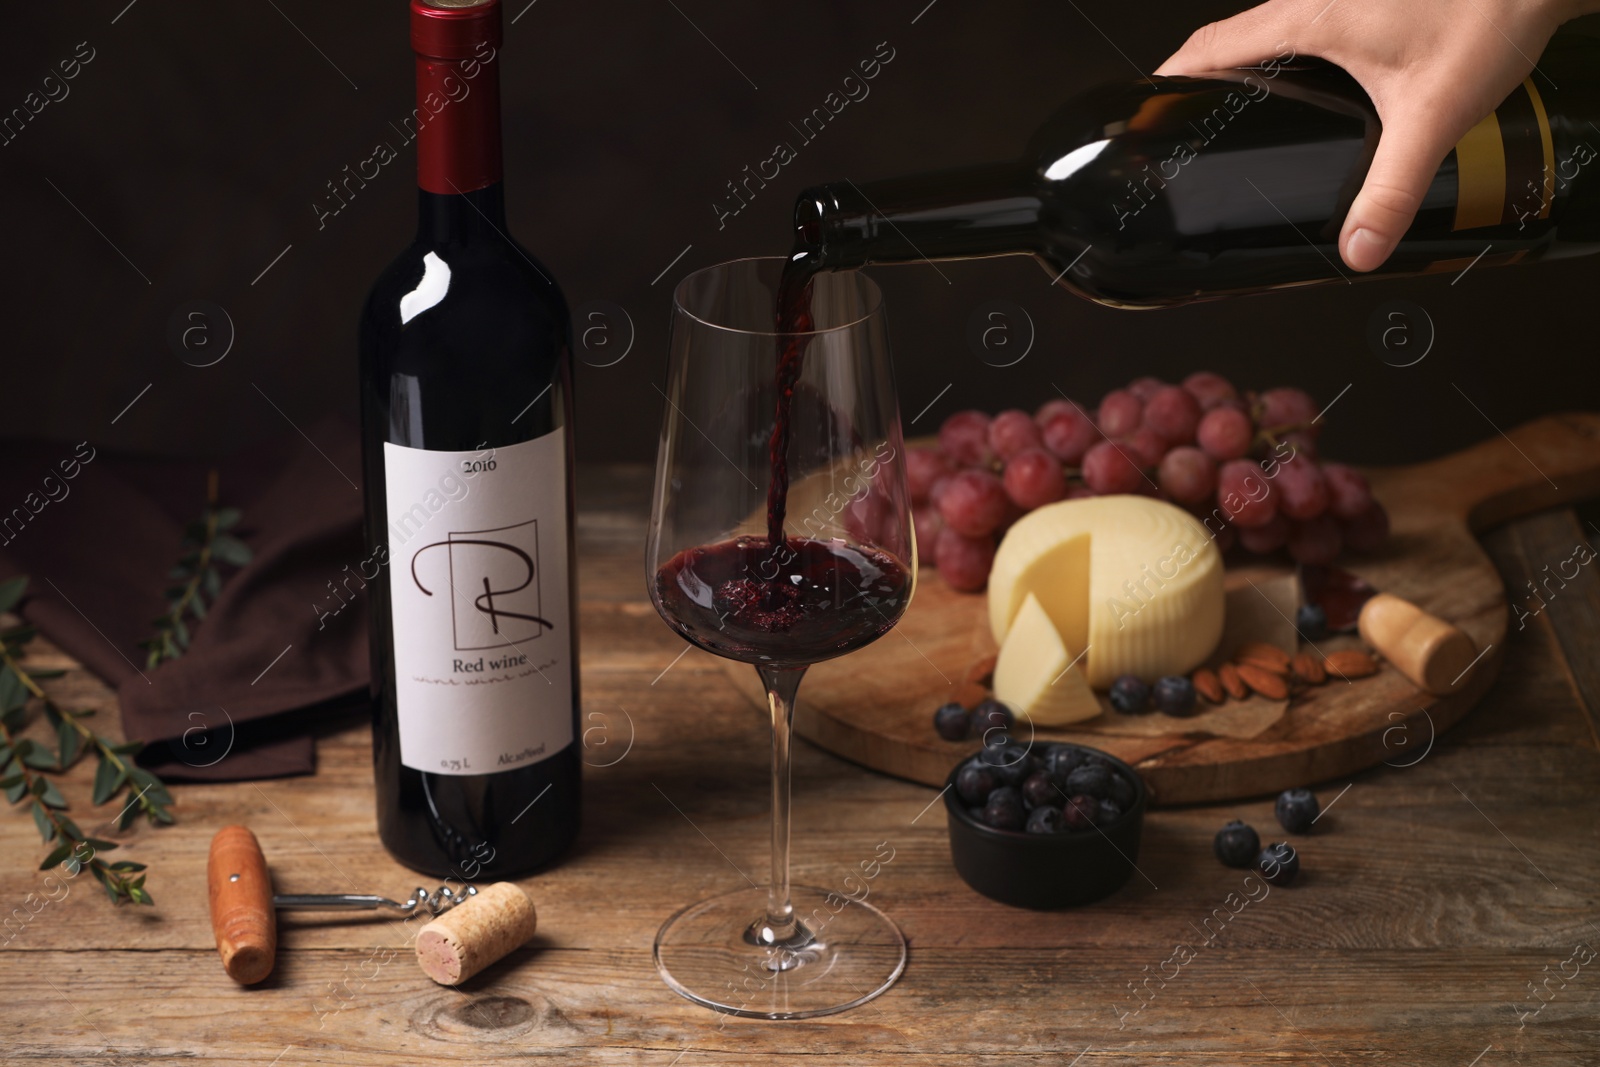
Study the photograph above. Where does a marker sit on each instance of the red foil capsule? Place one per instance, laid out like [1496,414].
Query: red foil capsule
[457,117]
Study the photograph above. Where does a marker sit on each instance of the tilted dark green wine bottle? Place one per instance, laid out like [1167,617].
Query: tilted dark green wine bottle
[1174,189]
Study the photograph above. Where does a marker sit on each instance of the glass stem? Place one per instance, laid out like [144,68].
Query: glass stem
[781,684]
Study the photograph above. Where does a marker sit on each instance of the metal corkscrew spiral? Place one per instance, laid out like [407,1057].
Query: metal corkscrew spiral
[439,901]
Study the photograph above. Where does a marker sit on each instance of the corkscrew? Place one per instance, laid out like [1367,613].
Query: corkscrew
[439,901]
[244,908]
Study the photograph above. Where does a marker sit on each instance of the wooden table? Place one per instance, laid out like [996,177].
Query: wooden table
[1432,895]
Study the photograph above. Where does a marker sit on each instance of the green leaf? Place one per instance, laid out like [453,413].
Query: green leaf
[18,636]
[127,865]
[107,780]
[8,782]
[227,518]
[100,846]
[178,573]
[126,747]
[180,631]
[11,591]
[138,895]
[229,549]
[111,891]
[57,854]
[149,785]
[51,795]
[161,815]
[126,817]
[41,819]
[211,582]
[69,739]
[13,694]
[70,828]
[19,785]
[39,758]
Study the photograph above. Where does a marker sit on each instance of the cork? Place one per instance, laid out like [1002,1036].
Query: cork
[476,933]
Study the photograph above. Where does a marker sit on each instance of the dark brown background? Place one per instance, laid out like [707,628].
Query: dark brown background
[199,137]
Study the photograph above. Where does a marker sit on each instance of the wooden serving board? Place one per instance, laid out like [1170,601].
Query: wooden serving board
[875,707]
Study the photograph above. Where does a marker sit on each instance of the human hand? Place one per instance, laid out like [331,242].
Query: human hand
[1433,69]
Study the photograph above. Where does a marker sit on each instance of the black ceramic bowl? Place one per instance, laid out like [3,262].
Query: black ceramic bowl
[1045,871]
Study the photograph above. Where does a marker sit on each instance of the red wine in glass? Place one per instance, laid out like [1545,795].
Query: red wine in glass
[794,324]
[805,603]
[780,536]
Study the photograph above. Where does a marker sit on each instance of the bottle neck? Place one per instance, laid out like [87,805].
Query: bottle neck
[458,122]
[456,218]
[961,214]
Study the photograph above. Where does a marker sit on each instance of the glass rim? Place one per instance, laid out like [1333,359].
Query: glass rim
[874,294]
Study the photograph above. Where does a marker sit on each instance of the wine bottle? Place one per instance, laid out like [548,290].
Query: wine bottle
[1173,189]
[467,453]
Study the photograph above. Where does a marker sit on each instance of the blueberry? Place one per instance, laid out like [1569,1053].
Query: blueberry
[1278,863]
[1093,779]
[1107,812]
[1061,760]
[1010,763]
[1122,792]
[951,721]
[974,783]
[1003,809]
[1237,845]
[990,715]
[1078,813]
[1311,621]
[1045,819]
[1174,695]
[1037,790]
[1296,810]
[1129,695]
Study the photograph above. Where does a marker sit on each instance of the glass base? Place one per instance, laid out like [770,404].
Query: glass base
[719,953]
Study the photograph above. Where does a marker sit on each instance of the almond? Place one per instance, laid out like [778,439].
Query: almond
[1268,684]
[1265,663]
[1307,669]
[1228,675]
[1270,657]
[1350,663]
[1208,685]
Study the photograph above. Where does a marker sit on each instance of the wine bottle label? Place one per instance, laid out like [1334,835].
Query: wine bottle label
[478,590]
[1505,165]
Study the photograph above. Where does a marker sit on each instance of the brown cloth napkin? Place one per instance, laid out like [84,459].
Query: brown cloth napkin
[277,651]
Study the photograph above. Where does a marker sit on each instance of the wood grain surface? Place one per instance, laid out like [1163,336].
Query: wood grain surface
[1432,894]
[875,707]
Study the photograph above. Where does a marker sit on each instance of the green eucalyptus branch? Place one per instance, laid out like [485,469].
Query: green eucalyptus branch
[25,765]
[206,543]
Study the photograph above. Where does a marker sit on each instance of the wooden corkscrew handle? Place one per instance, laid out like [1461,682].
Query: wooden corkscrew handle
[242,915]
[1432,653]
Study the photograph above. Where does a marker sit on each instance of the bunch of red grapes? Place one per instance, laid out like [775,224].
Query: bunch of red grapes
[1245,465]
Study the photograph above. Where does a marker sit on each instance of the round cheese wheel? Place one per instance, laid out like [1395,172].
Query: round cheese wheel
[1134,581]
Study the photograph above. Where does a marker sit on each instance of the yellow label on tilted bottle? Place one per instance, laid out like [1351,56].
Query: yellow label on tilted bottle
[1505,161]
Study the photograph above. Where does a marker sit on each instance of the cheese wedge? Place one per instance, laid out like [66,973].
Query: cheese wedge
[1035,675]
[1134,581]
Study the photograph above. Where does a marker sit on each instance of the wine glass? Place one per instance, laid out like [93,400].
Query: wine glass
[780,580]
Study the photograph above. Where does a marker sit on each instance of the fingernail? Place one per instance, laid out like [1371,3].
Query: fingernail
[1365,250]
